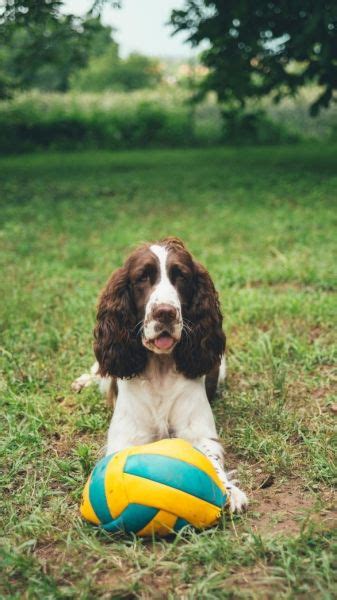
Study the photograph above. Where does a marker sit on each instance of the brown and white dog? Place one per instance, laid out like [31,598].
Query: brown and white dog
[159,346]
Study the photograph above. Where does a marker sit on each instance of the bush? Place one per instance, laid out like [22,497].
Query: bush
[254,128]
[147,118]
[46,121]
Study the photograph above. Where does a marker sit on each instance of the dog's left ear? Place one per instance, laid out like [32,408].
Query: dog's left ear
[201,349]
[118,347]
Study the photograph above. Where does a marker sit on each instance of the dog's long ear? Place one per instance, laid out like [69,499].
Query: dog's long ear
[202,347]
[117,346]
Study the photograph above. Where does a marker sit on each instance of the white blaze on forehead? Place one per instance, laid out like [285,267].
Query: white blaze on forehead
[164,292]
[162,254]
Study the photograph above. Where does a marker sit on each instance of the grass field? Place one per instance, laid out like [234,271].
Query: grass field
[264,223]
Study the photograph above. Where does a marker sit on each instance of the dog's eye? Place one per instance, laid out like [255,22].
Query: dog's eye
[177,273]
[143,277]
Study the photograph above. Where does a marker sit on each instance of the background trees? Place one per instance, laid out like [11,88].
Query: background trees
[252,54]
[41,47]
[253,49]
[45,49]
[262,47]
[109,71]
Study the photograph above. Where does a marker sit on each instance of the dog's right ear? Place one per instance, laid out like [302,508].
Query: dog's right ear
[117,346]
[200,352]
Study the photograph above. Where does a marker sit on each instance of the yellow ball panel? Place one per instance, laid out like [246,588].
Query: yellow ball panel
[162,524]
[150,493]
[86,509]
[115,489]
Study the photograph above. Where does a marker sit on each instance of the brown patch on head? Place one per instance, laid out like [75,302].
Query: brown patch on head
[203,341]
[143,273]
[181,271]
[172,243]
[201,348]
[118,346]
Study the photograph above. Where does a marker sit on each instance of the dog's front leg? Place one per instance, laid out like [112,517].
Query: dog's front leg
[238,500]
[193,421]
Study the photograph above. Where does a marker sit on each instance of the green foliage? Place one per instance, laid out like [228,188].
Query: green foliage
[264,47]
[263,221]
[24,12]
[45,50]
[43,47]
[244,127]
[37,122]
[138,71]
[6,84]
[98,74]
[108,71]
[137,119]
[44,56]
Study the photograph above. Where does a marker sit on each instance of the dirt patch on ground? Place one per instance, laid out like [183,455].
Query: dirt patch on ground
[298,394]
[112,582]
[50,555]
[256,582]
[285,507]
[62,445]
[280,509]
[277,506]
[329,372]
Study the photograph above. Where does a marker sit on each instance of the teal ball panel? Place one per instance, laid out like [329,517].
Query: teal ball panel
[97,494]
[133,518]
[175,473]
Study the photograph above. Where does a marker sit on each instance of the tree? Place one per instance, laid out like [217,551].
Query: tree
[42,47]
[262,47]
[138,71]
[97,74]
[24,12]
[108,71]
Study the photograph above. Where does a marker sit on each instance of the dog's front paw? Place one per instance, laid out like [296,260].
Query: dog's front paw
[238,500]
[81,382]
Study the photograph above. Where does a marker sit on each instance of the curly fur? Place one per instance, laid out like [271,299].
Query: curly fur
[201,350]
[117,346]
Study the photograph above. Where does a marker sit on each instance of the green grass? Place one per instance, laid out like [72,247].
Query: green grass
[264,223]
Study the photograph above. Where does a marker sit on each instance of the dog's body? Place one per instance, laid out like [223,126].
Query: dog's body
[159,348]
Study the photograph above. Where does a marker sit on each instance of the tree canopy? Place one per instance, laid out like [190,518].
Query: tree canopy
[46,49]
[262,47]
[42,47]
[109,71]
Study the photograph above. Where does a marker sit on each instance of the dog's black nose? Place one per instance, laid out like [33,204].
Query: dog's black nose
[164,312]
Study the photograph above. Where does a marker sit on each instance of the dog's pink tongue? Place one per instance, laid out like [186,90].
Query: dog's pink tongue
[164,342]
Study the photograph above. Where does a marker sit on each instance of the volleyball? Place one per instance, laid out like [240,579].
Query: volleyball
[157,489]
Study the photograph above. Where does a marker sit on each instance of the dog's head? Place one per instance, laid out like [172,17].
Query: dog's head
[160,301]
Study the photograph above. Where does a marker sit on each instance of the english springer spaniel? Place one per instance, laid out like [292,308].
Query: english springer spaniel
[159,346]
